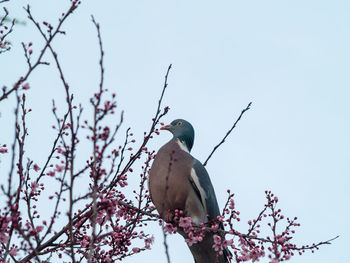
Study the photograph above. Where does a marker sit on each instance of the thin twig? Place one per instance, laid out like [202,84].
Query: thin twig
[228,133]
[155,119]
[165,243]
[38,62]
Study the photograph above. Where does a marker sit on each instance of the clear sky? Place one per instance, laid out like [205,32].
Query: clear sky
[289,57]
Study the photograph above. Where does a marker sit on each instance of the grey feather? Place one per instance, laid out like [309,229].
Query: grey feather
[212,207]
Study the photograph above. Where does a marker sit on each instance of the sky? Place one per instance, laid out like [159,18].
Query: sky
[289,58]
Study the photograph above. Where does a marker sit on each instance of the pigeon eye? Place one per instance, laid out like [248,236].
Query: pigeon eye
[179,123]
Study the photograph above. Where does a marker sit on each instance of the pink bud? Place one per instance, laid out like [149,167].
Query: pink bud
[26,86]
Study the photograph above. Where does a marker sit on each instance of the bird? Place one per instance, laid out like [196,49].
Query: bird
[179,181]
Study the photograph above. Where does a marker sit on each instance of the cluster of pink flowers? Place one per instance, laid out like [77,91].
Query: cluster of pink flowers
[186,224]
[170,228]
[4,227]
[221,244]
[248,250]
[249,246]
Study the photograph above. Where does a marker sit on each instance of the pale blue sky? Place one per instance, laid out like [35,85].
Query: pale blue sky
[290,58]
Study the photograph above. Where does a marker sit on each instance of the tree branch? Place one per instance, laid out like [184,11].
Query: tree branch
[227,134]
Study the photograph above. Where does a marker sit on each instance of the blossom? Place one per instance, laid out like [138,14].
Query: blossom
[256,253]
[170,228]
[39,229]
[60,150]
[281,240]
[59,168]
[148,242]
[220,244]
[34,186]
[232,204]
[101,217]
[13,251]
[107,105]
[51,173]
[3,150]
[3,238]
[84,243]
[227,243]
[217,242]
[194,237]
[36,167]
[26,86]
[136,250]
[186,223]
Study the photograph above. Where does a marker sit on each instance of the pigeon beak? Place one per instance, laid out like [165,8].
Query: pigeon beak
[166,127]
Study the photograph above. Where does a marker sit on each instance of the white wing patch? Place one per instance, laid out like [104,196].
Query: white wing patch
[182,146]
[195,179]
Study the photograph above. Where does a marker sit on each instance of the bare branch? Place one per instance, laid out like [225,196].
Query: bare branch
[227,134]
[38,62]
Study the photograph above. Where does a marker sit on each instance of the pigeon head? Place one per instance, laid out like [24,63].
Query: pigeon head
[182,130]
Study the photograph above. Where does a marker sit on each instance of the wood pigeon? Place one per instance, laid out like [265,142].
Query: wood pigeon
[179,181]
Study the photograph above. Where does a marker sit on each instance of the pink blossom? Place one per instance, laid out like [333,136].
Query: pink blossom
[84,243]
[220,244]
[232,204]
[34,186]
[255,254]
[192,239]
[60,150]
[244,255]
[3,150]
[107,105]
[170,228]
[26,86]
[217,242]
[101,217]
[275,260]
[135,250]
[13,251]
[51,173]
[227,243]
[148,242]
[281,240]
[36,167]
[38,229]
[59,168]
[186,223]
[3,238]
